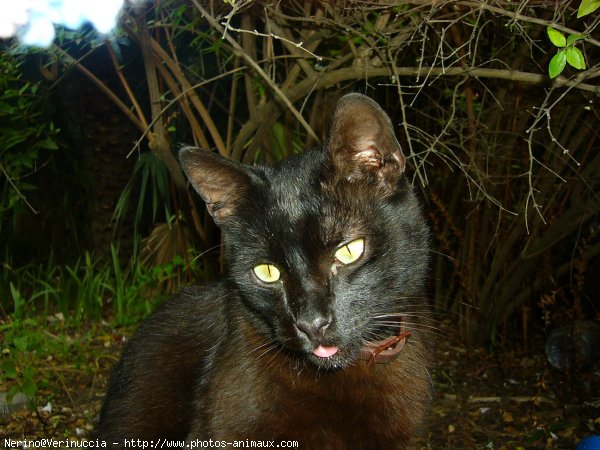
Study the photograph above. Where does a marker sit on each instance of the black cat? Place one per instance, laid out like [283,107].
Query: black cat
[317,332]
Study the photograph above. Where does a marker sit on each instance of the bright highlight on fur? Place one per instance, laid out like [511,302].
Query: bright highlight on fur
[33,21]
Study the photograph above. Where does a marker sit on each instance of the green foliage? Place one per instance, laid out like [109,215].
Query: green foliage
[587,7]
[135,293]
[22,338]
[567,53]
[284,142]
[557,64]
[27,139]
[151,182]
[575,58]
[31,349]
[41,301]
[556,37]
[86,289]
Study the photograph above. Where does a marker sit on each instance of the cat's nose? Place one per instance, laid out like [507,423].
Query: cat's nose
[314,329]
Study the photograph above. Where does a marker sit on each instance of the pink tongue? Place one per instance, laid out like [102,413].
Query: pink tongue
[325,352]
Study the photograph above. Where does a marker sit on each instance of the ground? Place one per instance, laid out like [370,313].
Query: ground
[508,399]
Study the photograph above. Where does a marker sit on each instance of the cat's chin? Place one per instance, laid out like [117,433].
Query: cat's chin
[335,362]
[331,358]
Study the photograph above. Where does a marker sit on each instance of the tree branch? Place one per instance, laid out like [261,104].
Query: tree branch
[103,87]
[213,22]
[523,18]
[329,79]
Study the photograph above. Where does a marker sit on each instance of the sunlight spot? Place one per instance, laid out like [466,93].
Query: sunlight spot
[33,21]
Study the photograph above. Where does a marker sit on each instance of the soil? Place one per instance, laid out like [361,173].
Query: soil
[510,399]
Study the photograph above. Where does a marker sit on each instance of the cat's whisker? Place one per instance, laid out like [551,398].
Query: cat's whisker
[266,347]
[278,349]
[421,312]
[426,325]
[208,250]
[405,317]
[431,330]
[269,351]
[410,320]
[445,255]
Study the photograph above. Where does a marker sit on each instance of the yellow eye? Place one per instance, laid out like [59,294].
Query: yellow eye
[350,252]
[267,273]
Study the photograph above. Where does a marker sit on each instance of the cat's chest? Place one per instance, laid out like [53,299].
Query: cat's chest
[268,397]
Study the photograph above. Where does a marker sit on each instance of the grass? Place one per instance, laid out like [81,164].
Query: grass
[86,289]
[63,370]
[40,303]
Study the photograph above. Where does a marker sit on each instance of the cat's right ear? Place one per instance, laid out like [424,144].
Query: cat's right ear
[362,145]
[221,183]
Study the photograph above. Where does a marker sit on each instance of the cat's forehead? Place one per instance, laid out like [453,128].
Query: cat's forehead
[293,189]
[300,211]
[295,203]
[292,206]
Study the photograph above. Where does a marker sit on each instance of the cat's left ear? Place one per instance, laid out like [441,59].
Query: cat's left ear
[362,144]
[221,183]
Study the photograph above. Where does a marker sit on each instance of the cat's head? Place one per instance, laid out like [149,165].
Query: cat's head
[327,249]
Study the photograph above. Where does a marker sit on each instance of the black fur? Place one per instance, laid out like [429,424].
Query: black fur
[231,360]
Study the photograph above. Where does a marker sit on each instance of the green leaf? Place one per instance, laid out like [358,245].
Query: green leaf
[21,343]
[9,369]
[29,387]
[557,38]
[48,143]
[587,7]
[572,38]
[19,302]
[28,373]
[6,108]
[575,58]
[557,64]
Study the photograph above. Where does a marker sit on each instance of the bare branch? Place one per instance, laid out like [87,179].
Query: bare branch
[213,22]
[103,87]
[298,45]
[17,190]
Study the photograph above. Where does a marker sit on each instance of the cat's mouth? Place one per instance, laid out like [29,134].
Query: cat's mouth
[374,352]
[324,351]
